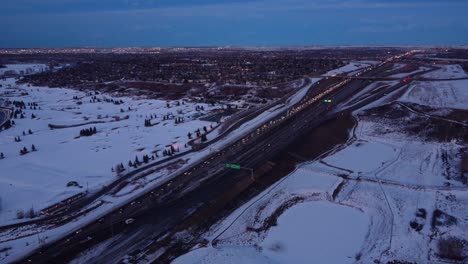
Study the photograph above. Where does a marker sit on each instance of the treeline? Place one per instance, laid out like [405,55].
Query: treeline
[88,132]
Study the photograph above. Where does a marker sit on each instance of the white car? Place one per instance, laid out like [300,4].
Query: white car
[129,221]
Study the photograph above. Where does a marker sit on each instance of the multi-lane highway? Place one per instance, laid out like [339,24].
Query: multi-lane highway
[161,209]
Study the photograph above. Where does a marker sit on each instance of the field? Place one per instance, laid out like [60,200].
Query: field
[40,177]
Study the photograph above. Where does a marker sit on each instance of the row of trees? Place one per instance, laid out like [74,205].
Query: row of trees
[21,115]
[88,132]
[29,132]
[24,150]
[177,103]
[199,134]
[148,122]
[31,213]
[179,120]
[119,168]
[94,99]
[19,104]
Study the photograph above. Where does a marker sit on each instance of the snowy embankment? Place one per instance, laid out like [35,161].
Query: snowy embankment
[351,68]
[404,74]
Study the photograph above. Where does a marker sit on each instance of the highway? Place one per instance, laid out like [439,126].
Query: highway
[161,209]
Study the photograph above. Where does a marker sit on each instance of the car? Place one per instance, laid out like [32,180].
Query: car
[129,221]
[78,231]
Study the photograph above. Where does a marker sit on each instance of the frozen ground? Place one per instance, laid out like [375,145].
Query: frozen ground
[379,198]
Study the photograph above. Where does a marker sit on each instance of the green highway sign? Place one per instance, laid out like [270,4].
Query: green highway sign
[233,166]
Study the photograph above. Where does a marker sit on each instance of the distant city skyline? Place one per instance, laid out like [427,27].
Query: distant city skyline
[166,23]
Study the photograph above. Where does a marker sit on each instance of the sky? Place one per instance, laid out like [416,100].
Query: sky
[161,23]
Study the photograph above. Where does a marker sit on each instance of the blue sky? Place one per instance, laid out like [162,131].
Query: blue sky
[113,23]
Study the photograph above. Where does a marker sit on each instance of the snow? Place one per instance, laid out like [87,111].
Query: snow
[306,233]
[363,156]
[445,94]
[447,71]
[225,255]
[440,94]
[404,74]
[351,67]
[314,232]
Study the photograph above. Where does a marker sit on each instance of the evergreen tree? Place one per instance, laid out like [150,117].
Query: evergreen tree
[203,138]
[31,213]
[130,164]
[33,148]
[1,155]
[189,135]
[30,132]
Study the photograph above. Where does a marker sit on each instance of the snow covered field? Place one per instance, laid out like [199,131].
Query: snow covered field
[451,94]
[40,178]
[447,71]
